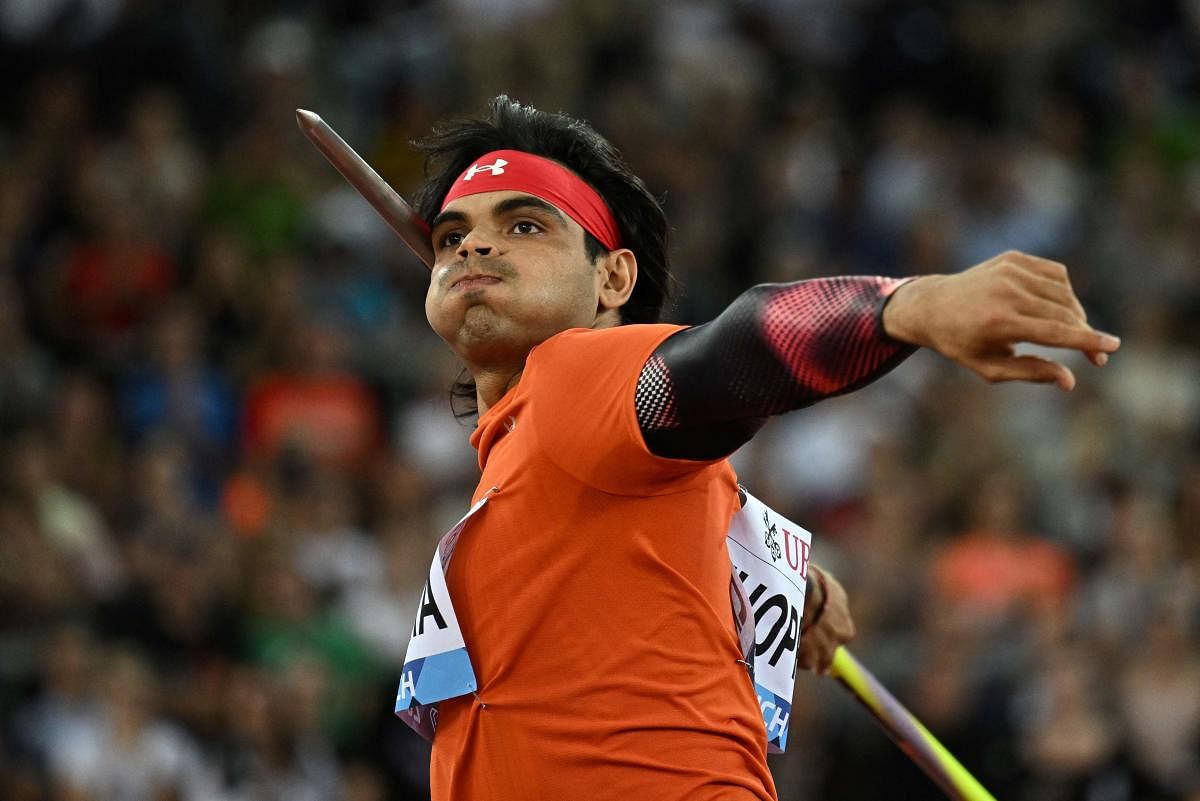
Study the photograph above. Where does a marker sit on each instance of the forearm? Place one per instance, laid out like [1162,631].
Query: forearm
[829,335]
[778,347]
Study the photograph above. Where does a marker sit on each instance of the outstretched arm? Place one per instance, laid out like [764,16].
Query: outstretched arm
[706,390]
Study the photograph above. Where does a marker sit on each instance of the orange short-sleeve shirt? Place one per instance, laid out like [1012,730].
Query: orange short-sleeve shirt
[593,595]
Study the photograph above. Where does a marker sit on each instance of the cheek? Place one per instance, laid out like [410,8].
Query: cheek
[433,312]
[569,292]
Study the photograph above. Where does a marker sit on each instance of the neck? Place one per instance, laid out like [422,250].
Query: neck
[492,385]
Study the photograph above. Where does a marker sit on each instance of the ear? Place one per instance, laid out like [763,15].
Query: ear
[616,275]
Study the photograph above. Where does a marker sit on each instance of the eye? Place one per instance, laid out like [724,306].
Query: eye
[526,227]
[450,239]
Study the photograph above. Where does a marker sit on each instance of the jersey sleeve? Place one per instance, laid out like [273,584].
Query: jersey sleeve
[582,385]
[706,390]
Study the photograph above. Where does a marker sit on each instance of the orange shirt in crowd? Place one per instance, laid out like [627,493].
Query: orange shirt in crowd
[593,595]
[333,418]
[996,574]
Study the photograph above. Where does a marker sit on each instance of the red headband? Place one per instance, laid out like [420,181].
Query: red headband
[524,172]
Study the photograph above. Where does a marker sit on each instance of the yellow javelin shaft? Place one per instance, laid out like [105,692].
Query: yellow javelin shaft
[907,731]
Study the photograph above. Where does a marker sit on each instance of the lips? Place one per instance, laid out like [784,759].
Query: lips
[473,281]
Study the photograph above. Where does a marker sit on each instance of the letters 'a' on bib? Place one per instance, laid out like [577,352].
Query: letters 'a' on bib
[436,666]
[769,555]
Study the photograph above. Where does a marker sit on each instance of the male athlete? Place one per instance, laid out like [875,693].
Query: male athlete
[592,588]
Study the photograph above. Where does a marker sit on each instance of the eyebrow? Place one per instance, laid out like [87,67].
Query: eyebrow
[445,217]
[506,206]
[527,202]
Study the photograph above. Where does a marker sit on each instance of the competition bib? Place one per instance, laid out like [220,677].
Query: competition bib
[769,554]
[436,666]
[769,559]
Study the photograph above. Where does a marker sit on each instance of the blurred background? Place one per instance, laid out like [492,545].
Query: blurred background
[226,446]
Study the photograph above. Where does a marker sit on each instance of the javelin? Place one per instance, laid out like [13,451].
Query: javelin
[394,210]
[900,724]
[908,732]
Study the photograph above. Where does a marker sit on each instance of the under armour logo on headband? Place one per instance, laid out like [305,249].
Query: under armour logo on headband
[495,168]
[543,178]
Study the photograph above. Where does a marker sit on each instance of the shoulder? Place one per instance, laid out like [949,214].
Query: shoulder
[579,389]
[625,342]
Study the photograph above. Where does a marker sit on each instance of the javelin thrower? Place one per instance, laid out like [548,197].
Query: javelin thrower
[574,638]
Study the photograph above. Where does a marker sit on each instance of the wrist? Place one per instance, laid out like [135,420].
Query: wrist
[906,310]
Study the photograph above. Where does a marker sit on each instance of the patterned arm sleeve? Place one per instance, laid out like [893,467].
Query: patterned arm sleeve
[706,390]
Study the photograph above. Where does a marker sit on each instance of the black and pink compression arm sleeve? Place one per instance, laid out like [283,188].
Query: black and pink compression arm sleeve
[706,390]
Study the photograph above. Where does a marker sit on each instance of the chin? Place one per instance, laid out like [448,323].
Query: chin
[481,334]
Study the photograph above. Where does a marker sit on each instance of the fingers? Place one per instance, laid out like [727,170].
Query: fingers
[833,626]
[825,658]
[1046,293]
[1059,302]
[1058,334]
[1047,268]
[1040,309]
[1052,272]
[1056,292]
[817,653]
[1033,306]
[812,652]
[1034,369]
[1007,300]
[838,606]
[1045,279]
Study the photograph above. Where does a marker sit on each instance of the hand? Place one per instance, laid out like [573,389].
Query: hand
[826,623]
[977,317]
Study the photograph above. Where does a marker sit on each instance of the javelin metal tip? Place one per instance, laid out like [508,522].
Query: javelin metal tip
[307,120]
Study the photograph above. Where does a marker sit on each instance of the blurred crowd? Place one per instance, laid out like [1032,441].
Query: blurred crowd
[226,443]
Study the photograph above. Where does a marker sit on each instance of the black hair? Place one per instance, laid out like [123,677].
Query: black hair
[642,224]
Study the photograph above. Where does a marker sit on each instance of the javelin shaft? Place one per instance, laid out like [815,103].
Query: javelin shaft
[385,200]
[912,737]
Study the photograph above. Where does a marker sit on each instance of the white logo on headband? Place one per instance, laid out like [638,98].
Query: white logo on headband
[495,168]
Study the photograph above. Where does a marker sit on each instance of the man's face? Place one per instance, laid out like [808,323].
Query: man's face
[510,271]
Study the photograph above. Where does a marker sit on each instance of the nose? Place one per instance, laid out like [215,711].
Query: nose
[475,243]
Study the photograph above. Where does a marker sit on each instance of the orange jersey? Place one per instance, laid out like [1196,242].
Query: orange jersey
[593,595]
